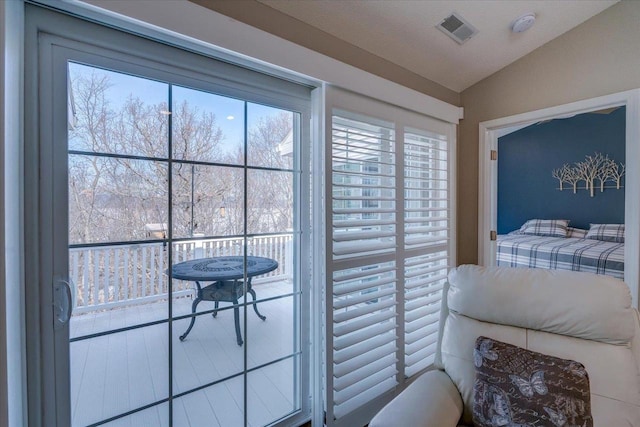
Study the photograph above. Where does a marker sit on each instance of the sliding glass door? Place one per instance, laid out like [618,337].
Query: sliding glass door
[171,198]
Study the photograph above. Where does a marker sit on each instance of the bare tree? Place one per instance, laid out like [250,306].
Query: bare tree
[112,198]
[615,172]
[89,133]
[270,206]
[573,178]
[603,173]
[588,170]
[562,174]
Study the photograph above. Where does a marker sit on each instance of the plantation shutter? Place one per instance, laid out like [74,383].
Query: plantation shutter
[363,291]
[364,211]
[388,254]
[426,227]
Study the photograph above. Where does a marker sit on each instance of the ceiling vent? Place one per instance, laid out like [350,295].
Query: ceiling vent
[456,27]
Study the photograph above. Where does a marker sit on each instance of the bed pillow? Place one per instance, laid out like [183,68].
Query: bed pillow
[546,227]
[607,232]
[576,233]
[519,387]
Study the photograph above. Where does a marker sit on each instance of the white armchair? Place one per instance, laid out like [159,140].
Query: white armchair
[565,314]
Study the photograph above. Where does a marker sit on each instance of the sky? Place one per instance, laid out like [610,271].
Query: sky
[229,112]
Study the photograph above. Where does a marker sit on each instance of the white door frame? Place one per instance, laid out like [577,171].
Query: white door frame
[491,130]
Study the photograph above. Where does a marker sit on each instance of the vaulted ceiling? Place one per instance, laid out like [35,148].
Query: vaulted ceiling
[404,31]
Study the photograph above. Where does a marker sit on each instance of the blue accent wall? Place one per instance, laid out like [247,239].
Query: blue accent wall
[526,158]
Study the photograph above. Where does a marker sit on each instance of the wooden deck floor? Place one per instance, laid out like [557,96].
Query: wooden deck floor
[116,373]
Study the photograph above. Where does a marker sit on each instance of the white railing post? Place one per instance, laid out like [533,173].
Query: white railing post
[106,273]
[94,281]
[143,271]
[288,258]
[116,275]
[125,274]
[85,279]
[135,275]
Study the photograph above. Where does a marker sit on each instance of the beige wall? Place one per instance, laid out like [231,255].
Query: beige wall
[599,57]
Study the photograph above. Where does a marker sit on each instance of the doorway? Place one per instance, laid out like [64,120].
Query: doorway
[490,131]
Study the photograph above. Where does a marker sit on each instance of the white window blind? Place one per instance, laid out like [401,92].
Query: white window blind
[389,254]
[426,203]
[363,170]
[424,278]
[364,217]
[426,229]
[364,345]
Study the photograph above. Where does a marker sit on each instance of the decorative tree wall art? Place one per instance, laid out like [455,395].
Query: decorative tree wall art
[596,169]
[564,174]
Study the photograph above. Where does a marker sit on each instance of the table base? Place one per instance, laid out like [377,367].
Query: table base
[223,291]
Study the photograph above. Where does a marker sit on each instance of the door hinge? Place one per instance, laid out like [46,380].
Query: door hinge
[494,154]
[493,235]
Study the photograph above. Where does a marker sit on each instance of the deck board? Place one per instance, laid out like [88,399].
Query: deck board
[116,397]
[89,406]
[198,411]
[225,407]
[122,371]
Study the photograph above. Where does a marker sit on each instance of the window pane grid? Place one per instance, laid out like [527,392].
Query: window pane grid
[124,188]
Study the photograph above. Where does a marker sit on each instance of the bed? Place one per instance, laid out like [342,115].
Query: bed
[565,253]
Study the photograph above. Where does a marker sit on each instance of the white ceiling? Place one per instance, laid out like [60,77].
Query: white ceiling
[404,31]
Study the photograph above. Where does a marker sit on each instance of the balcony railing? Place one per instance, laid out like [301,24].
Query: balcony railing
[111,276]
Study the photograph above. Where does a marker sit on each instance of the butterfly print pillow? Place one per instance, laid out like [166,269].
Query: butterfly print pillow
[517,387]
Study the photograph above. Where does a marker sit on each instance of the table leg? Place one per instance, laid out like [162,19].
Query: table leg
[215,312]
[255,306]
[193,317]
[236,318]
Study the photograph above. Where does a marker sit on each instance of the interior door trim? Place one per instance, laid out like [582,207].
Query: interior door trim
[490,131]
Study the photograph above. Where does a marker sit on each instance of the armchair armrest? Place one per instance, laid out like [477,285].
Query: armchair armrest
[432,400]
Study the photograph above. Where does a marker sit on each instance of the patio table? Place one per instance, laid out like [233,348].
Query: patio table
[226,274]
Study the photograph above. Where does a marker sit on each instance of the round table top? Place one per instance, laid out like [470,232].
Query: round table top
[222,268]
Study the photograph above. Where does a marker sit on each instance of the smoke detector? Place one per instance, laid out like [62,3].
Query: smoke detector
[523,23]
[456,27]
